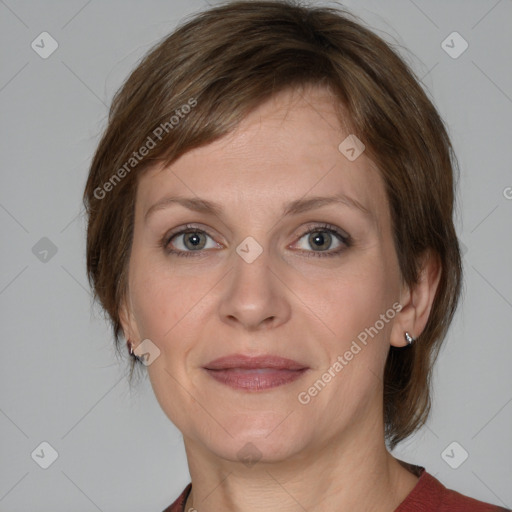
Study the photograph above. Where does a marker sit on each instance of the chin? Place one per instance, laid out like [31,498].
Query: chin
[250,451]
[269,442]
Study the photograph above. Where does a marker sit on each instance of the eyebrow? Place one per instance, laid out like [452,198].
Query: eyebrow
[292,208]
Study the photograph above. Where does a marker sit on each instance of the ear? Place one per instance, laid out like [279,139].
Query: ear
[417,301]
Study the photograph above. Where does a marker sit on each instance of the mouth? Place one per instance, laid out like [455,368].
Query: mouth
[255,373]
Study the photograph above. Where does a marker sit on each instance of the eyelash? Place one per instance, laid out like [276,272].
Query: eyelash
[345,239]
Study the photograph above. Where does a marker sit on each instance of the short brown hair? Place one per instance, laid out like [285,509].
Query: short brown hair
[226,61]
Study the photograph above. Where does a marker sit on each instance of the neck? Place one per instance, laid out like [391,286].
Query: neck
[338,475]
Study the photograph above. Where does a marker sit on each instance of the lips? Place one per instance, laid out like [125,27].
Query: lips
[255,373]
[244,362]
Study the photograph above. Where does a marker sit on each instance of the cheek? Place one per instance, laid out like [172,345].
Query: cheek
[171,311]
[153,308]
[166,315]
[357,307]
[161,297]
[348,299]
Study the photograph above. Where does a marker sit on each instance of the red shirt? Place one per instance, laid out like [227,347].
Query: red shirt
[429,495]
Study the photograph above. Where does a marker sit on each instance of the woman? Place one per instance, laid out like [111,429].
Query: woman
[270,229]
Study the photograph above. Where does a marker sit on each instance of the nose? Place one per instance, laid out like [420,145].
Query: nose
[254,297]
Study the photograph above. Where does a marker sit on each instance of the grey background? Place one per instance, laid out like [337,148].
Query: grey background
[60,379]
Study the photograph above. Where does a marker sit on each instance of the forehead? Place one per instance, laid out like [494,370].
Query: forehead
[286,148]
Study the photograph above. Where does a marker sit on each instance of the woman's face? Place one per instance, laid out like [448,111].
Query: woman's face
[268,271]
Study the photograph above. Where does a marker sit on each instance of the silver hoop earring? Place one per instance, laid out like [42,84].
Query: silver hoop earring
[410,340]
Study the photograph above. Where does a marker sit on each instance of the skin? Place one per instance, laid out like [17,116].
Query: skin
[329,454]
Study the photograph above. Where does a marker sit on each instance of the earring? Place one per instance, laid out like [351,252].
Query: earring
[410,340]
[130,348]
